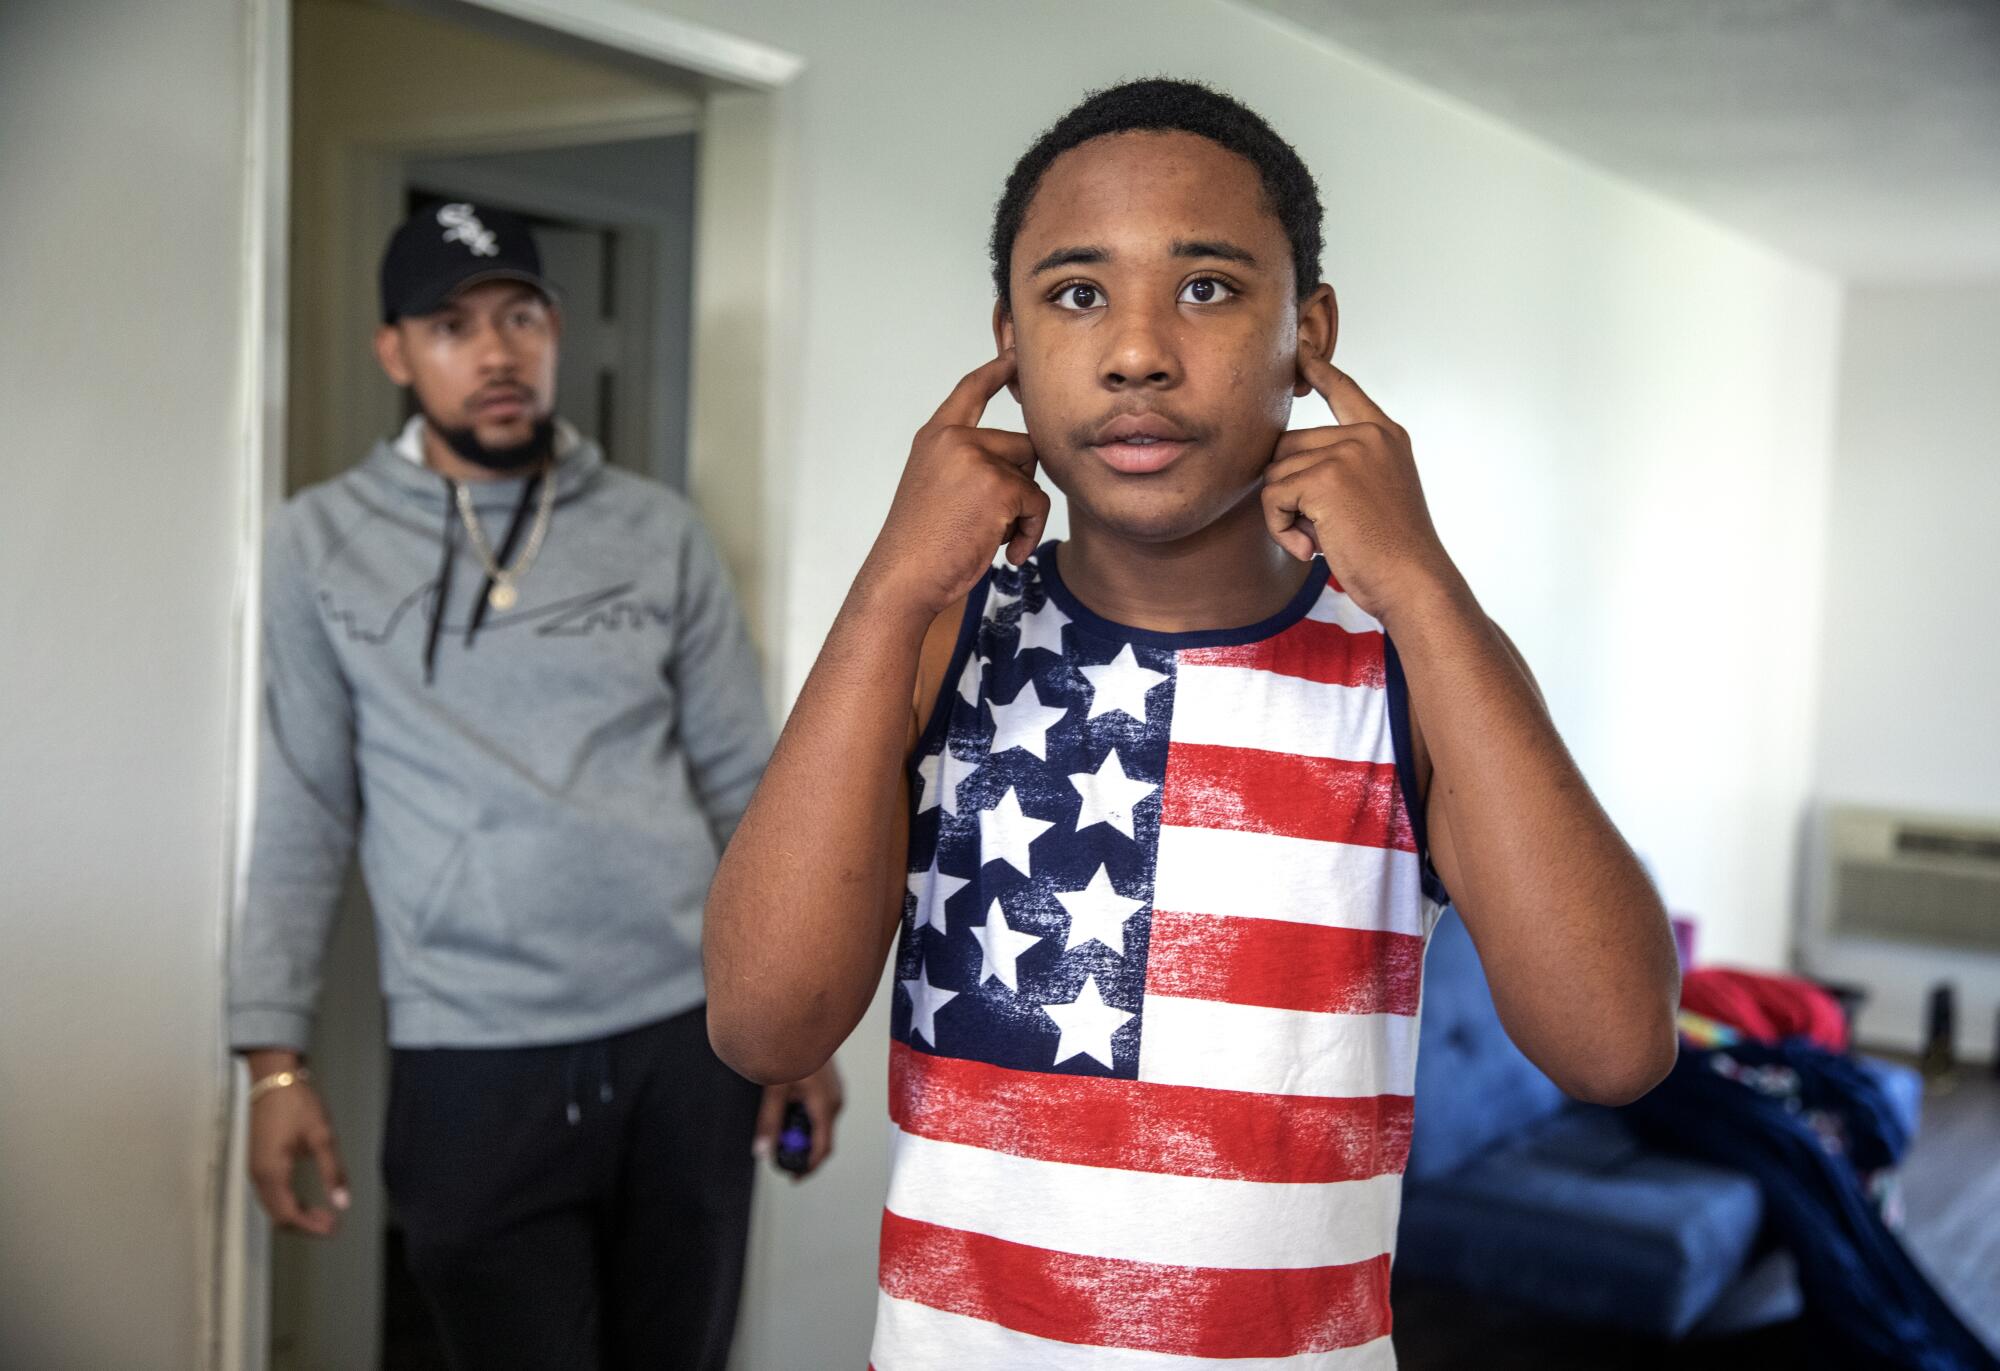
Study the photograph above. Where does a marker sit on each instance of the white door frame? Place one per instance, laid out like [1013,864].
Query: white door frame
[746,272]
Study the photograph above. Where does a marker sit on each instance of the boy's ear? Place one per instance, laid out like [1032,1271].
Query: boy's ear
[389,352]
[1319,326]
[1003,339]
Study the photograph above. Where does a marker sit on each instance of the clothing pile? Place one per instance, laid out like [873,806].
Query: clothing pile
[1767,1007]
[1821,1140]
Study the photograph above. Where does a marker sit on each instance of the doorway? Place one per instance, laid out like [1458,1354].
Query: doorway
[624,168]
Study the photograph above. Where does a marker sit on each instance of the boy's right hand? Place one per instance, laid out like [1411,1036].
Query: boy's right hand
[965,491]
[286,1125]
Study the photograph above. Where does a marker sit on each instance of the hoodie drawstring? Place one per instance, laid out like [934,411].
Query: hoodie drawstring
[504,556]
[441,600]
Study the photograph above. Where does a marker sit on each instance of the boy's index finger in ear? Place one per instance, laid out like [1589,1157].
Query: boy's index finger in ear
[1349,402]
[968,399]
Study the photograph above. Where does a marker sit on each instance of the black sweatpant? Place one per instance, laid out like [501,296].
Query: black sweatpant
[576,1208]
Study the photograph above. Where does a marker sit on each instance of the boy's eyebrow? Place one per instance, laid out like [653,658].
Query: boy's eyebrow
[1069,257]
[1208,247]
[1182,247]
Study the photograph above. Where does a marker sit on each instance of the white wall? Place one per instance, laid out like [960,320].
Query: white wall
[1621,412]
[122,249]
[1909,677]
[1910,674]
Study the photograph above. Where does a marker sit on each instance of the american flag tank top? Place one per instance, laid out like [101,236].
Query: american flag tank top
[1154,1029]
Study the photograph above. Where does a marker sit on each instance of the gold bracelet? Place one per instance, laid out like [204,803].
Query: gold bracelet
[278,1080]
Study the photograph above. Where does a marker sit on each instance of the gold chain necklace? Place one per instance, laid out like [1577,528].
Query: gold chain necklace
[504,594]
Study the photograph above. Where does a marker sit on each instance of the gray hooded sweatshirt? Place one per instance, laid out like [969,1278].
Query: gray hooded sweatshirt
[538,798]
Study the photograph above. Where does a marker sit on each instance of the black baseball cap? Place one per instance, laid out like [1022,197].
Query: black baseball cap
[441,250]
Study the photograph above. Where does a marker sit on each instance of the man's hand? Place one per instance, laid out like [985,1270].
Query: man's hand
[285,1125]
[1350,492]
[965,491]
[822,1096]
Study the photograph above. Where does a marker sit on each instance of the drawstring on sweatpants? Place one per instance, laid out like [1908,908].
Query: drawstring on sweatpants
[593,1058]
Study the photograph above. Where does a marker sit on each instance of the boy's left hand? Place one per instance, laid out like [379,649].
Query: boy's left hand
[1350,492]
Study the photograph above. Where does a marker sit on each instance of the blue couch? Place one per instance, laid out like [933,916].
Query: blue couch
[1519,1195]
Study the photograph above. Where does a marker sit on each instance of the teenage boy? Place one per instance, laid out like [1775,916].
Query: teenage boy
[1160,817]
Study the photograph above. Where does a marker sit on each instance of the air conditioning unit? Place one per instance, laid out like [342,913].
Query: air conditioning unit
[1903,879]
[1901,903]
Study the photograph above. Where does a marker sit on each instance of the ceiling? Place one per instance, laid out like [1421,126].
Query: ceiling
[1859,135]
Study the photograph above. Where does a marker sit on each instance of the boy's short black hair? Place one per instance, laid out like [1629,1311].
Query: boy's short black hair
[1163,104]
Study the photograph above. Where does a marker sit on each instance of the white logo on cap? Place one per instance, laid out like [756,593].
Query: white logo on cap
[461,225]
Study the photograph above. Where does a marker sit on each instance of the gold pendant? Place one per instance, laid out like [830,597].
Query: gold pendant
[502,596]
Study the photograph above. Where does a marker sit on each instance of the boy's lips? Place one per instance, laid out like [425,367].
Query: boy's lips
[1137,444]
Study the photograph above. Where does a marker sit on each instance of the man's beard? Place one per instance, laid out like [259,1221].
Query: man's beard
[534,450]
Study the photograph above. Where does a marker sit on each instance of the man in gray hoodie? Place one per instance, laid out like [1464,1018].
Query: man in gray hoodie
[515,680]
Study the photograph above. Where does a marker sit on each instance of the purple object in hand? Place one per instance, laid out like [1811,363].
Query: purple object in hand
[795,1140]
